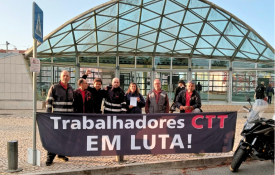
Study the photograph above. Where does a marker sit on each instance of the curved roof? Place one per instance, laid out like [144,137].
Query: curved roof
[177,28]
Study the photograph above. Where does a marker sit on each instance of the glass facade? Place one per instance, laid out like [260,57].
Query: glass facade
[191,38]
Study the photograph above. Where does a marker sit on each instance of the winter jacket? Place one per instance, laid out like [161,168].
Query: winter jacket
[140,104]
[60,99]
[195,100]
[114,101]
[269,89]
[261,94]
[79,106]
[152,106]
[176,92]
[97,95]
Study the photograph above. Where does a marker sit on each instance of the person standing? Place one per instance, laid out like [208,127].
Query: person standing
[59,100]
[115,103]
[97,92]
[83,100]
[157,100]
[260,91]
[181,86]
[189,100]
[269,93]
[133,92]
[198,88]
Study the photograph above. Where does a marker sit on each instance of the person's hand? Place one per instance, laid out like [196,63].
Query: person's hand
[182,107]
[171,112]
[131,106]
[138,99]
[88,72]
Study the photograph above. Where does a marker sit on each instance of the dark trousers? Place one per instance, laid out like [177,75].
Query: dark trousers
[51,156]
[269,99]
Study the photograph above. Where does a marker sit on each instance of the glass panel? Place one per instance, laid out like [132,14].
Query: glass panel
[190,18]
[126,77]
[202,78]
[127,62]
[175,16]
[180,63]
[214,15]
[88,24]
[144,62]
[65,60]
[265,66]
[106,76]
[175,78]
[194,27]
[199,63]
[164,78]
[43,82]
[144,82]
[267,77]
[243,65]
[218,83]
[218,64]
[201,11]
[92,61]
[269,54]
[71,70]
[44,46]
[162,63]
[171,7]
[90,78]
[107,61]
[197,4]
[65,29]
[243,84]
[47,60]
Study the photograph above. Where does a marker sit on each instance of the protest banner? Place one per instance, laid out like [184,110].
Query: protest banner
[73,134]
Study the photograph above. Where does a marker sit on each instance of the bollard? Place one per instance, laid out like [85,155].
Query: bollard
[119,158]
[12,151]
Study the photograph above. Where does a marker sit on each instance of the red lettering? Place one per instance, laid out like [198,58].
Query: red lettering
[210,117]
[222,117]
[194,119]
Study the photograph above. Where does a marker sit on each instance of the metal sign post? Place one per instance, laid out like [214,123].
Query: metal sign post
[37,30]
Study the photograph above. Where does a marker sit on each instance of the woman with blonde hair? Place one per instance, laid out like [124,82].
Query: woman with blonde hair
[134,95]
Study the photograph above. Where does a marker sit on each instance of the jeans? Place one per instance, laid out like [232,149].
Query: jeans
[269,99]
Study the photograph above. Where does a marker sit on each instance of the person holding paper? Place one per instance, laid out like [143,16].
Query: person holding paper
[134,100]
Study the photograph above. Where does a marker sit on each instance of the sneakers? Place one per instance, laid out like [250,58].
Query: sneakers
[64,158]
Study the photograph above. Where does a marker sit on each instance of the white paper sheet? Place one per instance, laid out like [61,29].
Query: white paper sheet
[133,101]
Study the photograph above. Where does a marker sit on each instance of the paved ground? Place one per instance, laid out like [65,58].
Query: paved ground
[247,168]
[17,125]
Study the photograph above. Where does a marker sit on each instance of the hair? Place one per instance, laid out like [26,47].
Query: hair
[80,81]
[269,85]
[262,82]
[98,80]
[129,91]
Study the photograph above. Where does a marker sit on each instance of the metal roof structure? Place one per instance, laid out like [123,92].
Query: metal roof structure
[172,28]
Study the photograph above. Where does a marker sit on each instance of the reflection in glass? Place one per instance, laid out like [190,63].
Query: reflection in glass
[243,65]
[128,62]
[180,63]
[144,62]
[107,61]
[143,80]
[218,83]
[199,63]
[91,61]
[106,76]
[265,66]
[243,84]
[202,77]
[162,63]
[126,77]
[218,64]
[90,78]
[65,60]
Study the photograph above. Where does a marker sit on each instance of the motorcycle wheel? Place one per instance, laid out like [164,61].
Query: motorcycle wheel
[237,160]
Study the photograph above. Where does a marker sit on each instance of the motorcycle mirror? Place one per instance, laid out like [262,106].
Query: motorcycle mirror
[247,98]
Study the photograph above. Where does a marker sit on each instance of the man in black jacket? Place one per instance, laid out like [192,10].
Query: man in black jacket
[189,100]
[181,86]
[97,93]
[260,91]
[59,100]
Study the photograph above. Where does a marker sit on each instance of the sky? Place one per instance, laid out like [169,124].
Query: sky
[16,17]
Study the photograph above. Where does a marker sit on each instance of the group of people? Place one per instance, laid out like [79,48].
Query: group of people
[85,99]
[261,92]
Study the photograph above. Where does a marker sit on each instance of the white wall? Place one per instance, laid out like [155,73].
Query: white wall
[15,83]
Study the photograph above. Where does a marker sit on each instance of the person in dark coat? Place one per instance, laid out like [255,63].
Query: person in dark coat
[199,87]
[260,91]
[83,100]
[133,91]
[189,100]
[181,86]
[97,92]
[269,92]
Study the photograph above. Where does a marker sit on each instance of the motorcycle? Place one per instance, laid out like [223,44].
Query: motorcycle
[258,136]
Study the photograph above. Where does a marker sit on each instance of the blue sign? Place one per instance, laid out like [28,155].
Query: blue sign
[37,23]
